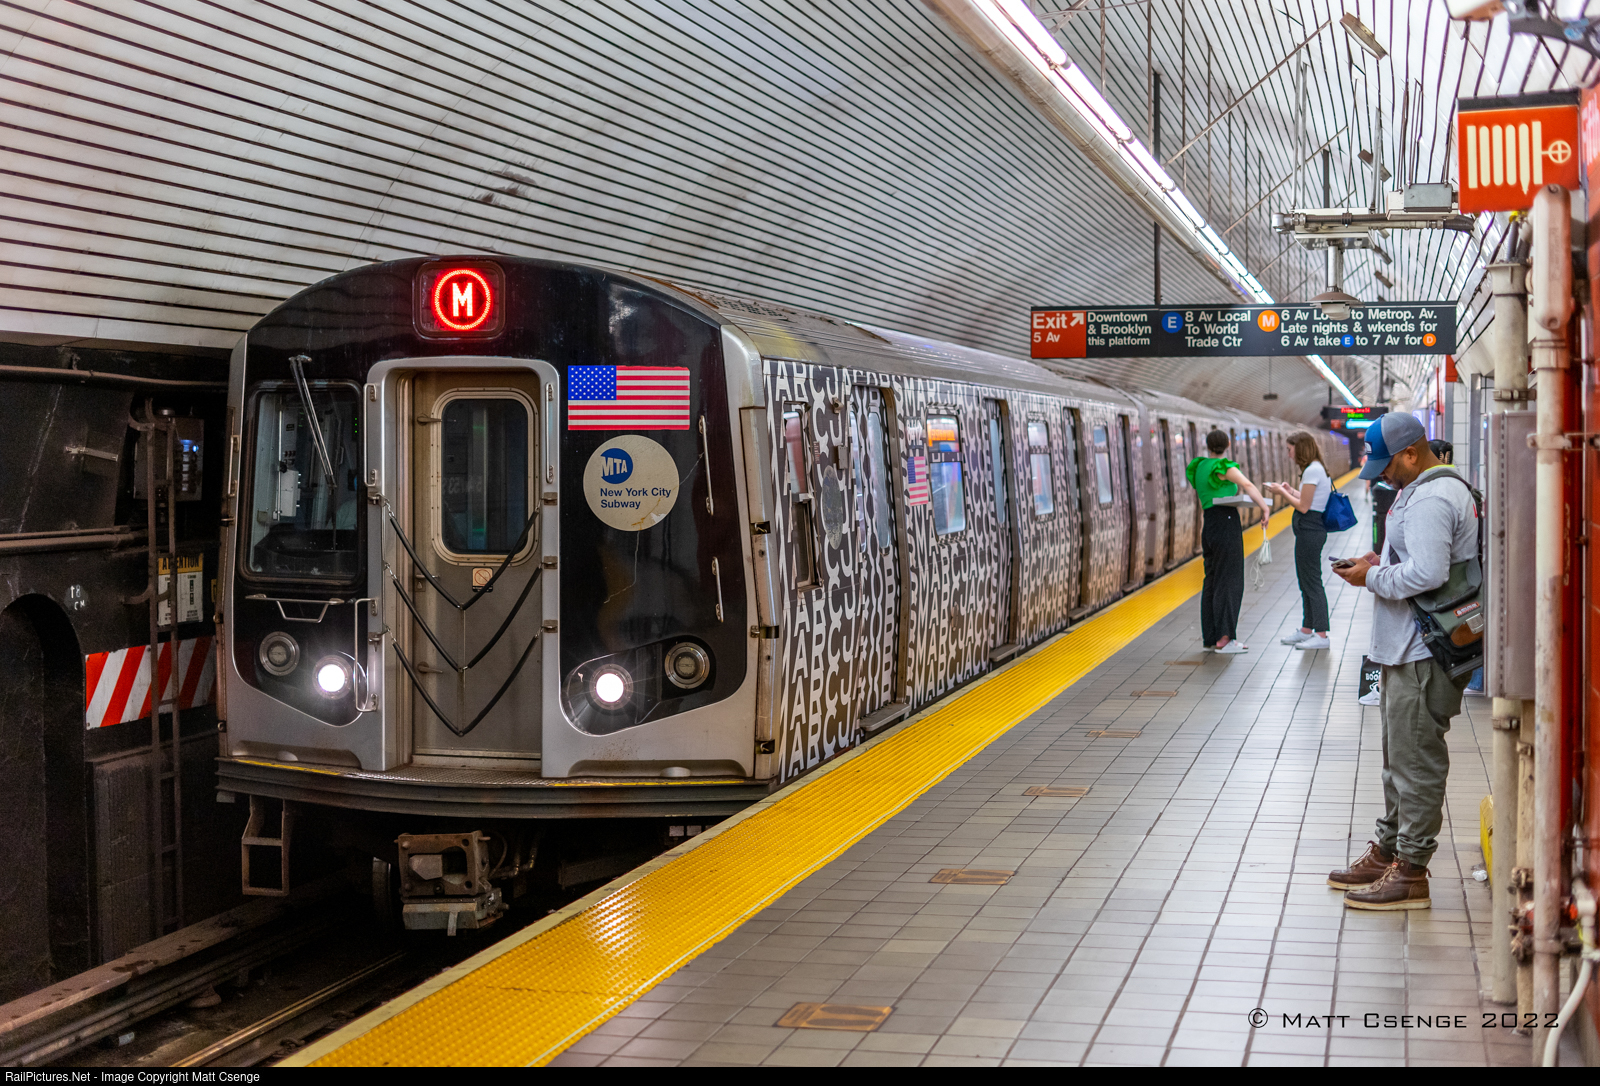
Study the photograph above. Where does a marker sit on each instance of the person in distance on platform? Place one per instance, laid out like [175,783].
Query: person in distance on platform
[1309,499]
[1430,525]
[1218,479]
[1444,450]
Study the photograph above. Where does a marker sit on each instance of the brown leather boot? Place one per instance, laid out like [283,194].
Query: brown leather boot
[1364,872]
[1402,886]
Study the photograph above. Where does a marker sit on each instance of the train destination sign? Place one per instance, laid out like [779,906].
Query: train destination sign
[1246,330]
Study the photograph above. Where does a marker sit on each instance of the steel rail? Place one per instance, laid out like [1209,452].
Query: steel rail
[108,1019]
[278,1018]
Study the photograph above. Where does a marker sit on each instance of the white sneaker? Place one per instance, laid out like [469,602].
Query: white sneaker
[1316,641]
[1232,648]
[1374,698]
[1294,638]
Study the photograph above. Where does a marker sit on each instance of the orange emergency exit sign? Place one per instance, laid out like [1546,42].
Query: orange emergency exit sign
[1506,148]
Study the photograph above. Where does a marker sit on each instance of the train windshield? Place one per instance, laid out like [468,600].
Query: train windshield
[303,508]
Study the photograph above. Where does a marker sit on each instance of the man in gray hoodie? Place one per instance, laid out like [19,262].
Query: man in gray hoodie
[1432,523]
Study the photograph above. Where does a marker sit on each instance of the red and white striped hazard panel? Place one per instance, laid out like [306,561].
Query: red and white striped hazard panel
[117,684]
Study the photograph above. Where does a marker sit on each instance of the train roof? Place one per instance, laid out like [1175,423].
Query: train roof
[786,332]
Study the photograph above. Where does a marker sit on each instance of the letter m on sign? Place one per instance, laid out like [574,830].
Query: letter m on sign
[1059,333]
[461,300]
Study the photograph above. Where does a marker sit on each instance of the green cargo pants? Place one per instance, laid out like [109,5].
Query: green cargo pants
[1417,702]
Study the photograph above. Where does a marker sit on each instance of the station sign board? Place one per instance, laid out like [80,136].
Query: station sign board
[1506,148]
[1239,330]
[1352,418]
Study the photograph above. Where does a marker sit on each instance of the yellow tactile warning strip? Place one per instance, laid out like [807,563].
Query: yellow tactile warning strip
[525,1005]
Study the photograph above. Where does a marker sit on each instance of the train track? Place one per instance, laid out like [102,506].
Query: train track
[242,989]
[105,1002]
[293,1026]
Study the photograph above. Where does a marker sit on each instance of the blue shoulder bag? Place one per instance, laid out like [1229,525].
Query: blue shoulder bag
[1339,516]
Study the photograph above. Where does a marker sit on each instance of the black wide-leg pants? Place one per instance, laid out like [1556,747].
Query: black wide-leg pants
[1310,535]
[1222,592]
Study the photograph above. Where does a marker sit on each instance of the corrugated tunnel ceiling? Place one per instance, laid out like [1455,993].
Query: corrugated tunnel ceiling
[174,170]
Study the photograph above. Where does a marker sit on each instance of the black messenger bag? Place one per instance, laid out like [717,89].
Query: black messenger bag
[1451,617]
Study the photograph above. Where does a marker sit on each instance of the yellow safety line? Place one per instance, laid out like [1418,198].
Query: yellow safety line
[529,1004]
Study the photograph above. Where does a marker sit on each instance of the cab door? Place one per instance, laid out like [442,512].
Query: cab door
[474,508]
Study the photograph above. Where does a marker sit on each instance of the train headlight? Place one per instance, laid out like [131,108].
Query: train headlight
[332,677]
[688,665]
[610,687]
[279,654]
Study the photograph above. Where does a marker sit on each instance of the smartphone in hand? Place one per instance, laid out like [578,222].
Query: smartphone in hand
[1342,563]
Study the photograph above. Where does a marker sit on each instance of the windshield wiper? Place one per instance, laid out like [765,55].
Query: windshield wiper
[296,365]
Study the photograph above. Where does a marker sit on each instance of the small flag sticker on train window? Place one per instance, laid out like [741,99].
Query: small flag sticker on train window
[917,492]
[627,398]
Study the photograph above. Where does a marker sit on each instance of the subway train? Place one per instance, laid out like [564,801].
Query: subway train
[510,541]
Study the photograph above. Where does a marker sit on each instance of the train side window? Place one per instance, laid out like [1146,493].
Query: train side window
[878,480]
[483,474]
[798,486]
[1070,446]
[1102,465]
[947,493]
[1180,459]
[1040,469]
[300,525]
[997,458]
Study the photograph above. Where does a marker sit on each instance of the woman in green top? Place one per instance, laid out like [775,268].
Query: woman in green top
[1221,542]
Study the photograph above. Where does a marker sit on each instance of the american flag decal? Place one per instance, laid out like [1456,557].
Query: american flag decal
[917,492]
[117,684]
[627,398]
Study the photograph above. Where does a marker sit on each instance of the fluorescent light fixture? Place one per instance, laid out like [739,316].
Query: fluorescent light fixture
[1022,28]
[1363,36]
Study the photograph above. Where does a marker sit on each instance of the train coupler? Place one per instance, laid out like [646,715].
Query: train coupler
[444,882]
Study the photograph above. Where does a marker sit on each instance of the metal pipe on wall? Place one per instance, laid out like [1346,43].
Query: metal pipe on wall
[1510,348]
[1549,311]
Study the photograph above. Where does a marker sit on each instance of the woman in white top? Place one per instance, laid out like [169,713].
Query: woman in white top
[1309,499]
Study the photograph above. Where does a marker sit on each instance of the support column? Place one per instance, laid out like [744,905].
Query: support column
[1552,304]
[1510,346]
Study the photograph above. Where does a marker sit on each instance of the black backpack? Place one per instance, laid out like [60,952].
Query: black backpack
[1451,617]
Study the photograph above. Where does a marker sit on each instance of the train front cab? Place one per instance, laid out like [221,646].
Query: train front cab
[491,579]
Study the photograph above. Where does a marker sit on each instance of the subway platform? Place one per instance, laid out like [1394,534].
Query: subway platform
[1174,913]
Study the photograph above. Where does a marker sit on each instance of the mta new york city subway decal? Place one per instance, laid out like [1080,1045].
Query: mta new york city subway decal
[631,482]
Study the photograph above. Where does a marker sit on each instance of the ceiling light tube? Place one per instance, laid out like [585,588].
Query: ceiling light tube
[1023,50]
[1036,33]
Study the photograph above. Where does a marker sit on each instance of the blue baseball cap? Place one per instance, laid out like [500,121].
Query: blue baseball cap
[1392,432]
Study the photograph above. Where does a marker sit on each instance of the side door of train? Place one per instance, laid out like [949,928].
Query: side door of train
[878,541]
[997,426]
[1130,451]
[1165,553]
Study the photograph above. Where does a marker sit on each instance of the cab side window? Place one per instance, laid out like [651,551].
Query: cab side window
[947,492]
[1041,470]
[1102,466]
[874,459]
[797,485]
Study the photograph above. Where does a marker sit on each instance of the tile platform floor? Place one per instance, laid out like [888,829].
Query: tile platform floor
[1147,919]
